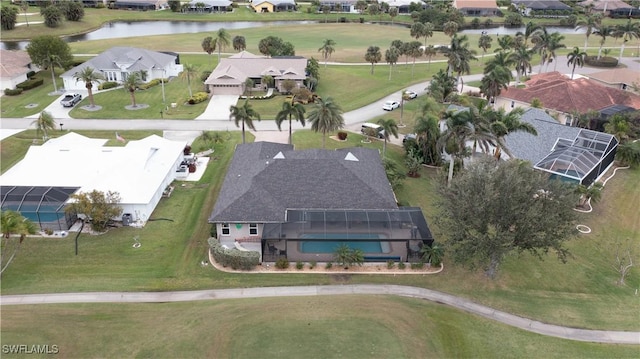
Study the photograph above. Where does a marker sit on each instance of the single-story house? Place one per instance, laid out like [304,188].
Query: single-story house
[563,97]
[118,62]
[606,6]
[542,7]
[622,79]
[302,204]
[273,5]
[143,5]
[210,6]
[14,67]
[349,6]
[140,172]
[569,153]
[476,7]
[229,77]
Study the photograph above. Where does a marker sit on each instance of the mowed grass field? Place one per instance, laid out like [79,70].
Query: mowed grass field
[316,327]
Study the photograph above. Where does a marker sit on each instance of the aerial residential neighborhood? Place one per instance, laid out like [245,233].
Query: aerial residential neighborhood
[354,179]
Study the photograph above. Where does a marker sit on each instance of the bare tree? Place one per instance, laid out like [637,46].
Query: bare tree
[624,260]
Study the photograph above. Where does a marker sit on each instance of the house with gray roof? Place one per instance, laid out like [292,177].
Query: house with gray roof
[210,6]
[569,153]
[231,74]
[118,62]
[303,203]
[542,7]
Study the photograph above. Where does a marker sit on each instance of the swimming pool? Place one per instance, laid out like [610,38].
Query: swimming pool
[331,241]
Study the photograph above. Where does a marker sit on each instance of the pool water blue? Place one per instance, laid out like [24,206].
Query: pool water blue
[334,240]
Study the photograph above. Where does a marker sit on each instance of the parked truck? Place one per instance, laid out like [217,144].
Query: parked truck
[71,100]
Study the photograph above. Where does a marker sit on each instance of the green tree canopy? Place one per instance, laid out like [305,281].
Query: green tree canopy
[497,208]
[12,223]
[275,46]
[98,207]
[8,17]
[239,43]
[326,116]
[245,114]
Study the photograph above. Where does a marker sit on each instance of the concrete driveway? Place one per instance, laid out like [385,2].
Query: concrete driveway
[218,108]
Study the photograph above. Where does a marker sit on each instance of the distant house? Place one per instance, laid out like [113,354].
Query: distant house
[229,77]
[301,204]
[542,7]
[210,6]
[622,79]
[569,153]
[563,97]
[143,5]
[476,7]
[140,171]
[117,63]
[349,6]
[273,5]
[14,67]
[607,6]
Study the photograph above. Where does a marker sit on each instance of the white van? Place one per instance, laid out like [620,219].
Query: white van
[379,130]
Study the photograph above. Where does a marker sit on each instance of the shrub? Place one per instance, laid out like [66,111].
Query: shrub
[198,97]
[342,135]
[417,265]
[604,61]
[282,263]
[401,265]
[107,85]
[205,75]
[328,265]
[29,84]
[30,74]
[48,231]
[390,264]
[75,62]
[10,92]
[299,265]
[312,264]
[233,257]
[152,83]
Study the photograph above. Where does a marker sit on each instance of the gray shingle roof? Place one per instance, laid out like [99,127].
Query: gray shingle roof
[131,58]
[259,188]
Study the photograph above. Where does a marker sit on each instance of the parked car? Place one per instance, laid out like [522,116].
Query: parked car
[409,95]
[408,136]
[390,105]
[377,129]
[71,100]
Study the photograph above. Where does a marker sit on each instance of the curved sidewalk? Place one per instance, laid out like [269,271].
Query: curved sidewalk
[597,336]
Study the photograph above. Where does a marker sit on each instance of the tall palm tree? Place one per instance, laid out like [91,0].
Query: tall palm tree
[13,222]
[529,29]
[209,46]
[390,127]
[591,22]
[326,116]
[429,52]
[44,123]
[245,114]
[506,43]
[427,31]
[494,81]
[131,83]
[188,70]
[603,31]
[554,45]
[88,76]
[520,58]
[427,131]
[501,59]
[484,42]
[290,111]
[541,39]
[221,40]
[458,56]
[373,56]
[24,6]
[327,49]
[503,123]
[454,138]
[628,31]
[50,61]
[575,58]
[391,57]
[239,43]
[450,28]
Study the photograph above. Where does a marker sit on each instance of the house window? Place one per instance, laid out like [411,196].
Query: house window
[225,229]
[253,229]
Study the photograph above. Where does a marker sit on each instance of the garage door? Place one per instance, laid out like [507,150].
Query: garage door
[227,90]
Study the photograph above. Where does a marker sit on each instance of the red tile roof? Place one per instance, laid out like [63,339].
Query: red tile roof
[560,93]
[13,63]
[475,4]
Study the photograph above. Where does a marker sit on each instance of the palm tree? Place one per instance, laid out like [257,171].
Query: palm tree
[209,46]
[450,28]
[325,116]
[188,70]
[591,22]
[529,29]
[454,138]
[541,40]
[593,193]
[51,61]
[239,43]
[24,6]
[501,59]
[575,58]
[554,45]
[131,83]
[429,52]
[503,123]
[416,30]
[629,154]
[484,42]
[603,31]
[494,81]
[393,12]
[290,111]
[619,127]
[432,254]
[13,222]
[458,56]
[506,43]
[414,50]
[221,40]
[520,58]
[390,128]
[628,31]
[373,56]
[245,114]
[327,49]
[427,31]
[88,76]
[44,123]
[427,130]
[391,57]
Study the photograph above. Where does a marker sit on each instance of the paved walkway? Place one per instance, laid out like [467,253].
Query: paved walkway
[598,336]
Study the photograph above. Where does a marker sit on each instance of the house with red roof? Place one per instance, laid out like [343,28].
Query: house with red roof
[562,97]
[14,67]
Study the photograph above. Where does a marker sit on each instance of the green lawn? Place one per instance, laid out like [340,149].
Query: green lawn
[320,327]
[38,98]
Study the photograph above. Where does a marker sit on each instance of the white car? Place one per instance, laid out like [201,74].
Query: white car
[409,95]
[390,105]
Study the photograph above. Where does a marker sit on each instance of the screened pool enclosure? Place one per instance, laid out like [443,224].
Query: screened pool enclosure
[44,206]
[581,160]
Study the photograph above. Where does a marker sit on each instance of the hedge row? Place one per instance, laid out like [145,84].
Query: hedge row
[232,257]
[605,61]
[258,97]
[107,85]
[152,83]
[10,92]
[198,97]
[29,84]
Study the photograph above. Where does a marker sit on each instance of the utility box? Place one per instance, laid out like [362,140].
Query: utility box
[127,219]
